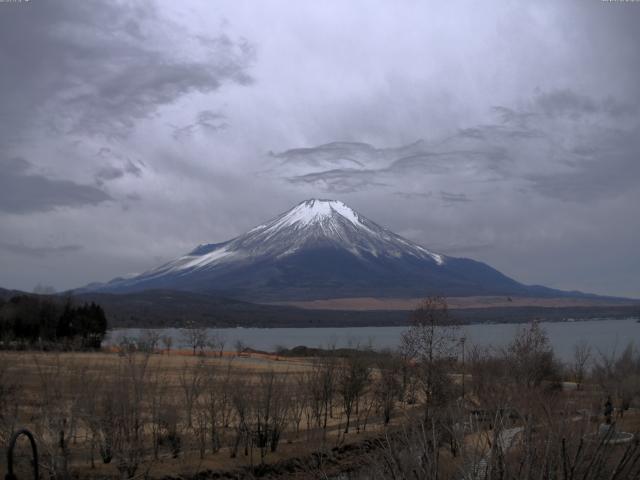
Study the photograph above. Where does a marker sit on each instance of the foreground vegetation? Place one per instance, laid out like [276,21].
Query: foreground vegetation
[435,409]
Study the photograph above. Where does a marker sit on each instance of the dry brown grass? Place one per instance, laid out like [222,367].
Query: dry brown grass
[371,303]
[38,376]
[36,373]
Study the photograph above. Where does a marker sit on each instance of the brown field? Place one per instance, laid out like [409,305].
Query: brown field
[56,392]
[370,303]
[178,414]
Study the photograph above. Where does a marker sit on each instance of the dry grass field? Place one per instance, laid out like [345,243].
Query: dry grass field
[181,413]
[134,412]
[408,304]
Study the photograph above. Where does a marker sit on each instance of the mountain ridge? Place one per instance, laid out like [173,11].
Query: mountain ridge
[322,249]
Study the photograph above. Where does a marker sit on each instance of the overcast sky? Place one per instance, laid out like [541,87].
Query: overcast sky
[508,133]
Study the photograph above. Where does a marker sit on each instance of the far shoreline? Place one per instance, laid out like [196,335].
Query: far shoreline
[387,318]
[304,327]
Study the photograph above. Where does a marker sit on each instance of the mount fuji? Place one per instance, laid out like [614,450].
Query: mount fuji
[323,249]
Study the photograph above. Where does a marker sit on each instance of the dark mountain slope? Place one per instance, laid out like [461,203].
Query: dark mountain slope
[323,249]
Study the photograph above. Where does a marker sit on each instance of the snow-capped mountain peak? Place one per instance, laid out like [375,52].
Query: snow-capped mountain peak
[314,227]
[315,210]
[310,212]
[322,249]
[327,223]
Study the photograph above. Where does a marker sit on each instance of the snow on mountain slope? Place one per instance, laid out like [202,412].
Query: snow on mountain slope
[312,221]
[321,249]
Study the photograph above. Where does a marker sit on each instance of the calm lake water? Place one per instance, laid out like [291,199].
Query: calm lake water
[606,335]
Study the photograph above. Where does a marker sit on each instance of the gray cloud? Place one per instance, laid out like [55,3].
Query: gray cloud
[207,121]
[449,198]
[569,103]
[41,289]
[98,67]
[114,172]
[39,252]
[345,155]
[604,166]
[23,191]
[339,181]
[540,136]
[458,250]
[563,159]
[414,195]
[507,116]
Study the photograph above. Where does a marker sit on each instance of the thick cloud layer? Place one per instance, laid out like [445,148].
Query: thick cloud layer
[22,191]
[133,131]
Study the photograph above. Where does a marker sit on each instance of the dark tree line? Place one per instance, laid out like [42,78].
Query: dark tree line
[30,320]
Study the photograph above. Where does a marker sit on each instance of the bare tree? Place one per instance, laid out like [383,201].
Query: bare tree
[619,375]
[241,403]
[627,368]
[169,427]
[387,387]
[126,421]
[579,365]
[157,387]
[195,337]
[240,347]
[555,449]
[58,411]
[90,413]
[214,403]
[322,384]
[269,413]
[299,403]
[531,357]
[353,376]
[216,343]
[191,380]
[149,341]
[490,379]
[431,344]
[167,341]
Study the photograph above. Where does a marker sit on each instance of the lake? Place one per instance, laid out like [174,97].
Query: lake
[605,335]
